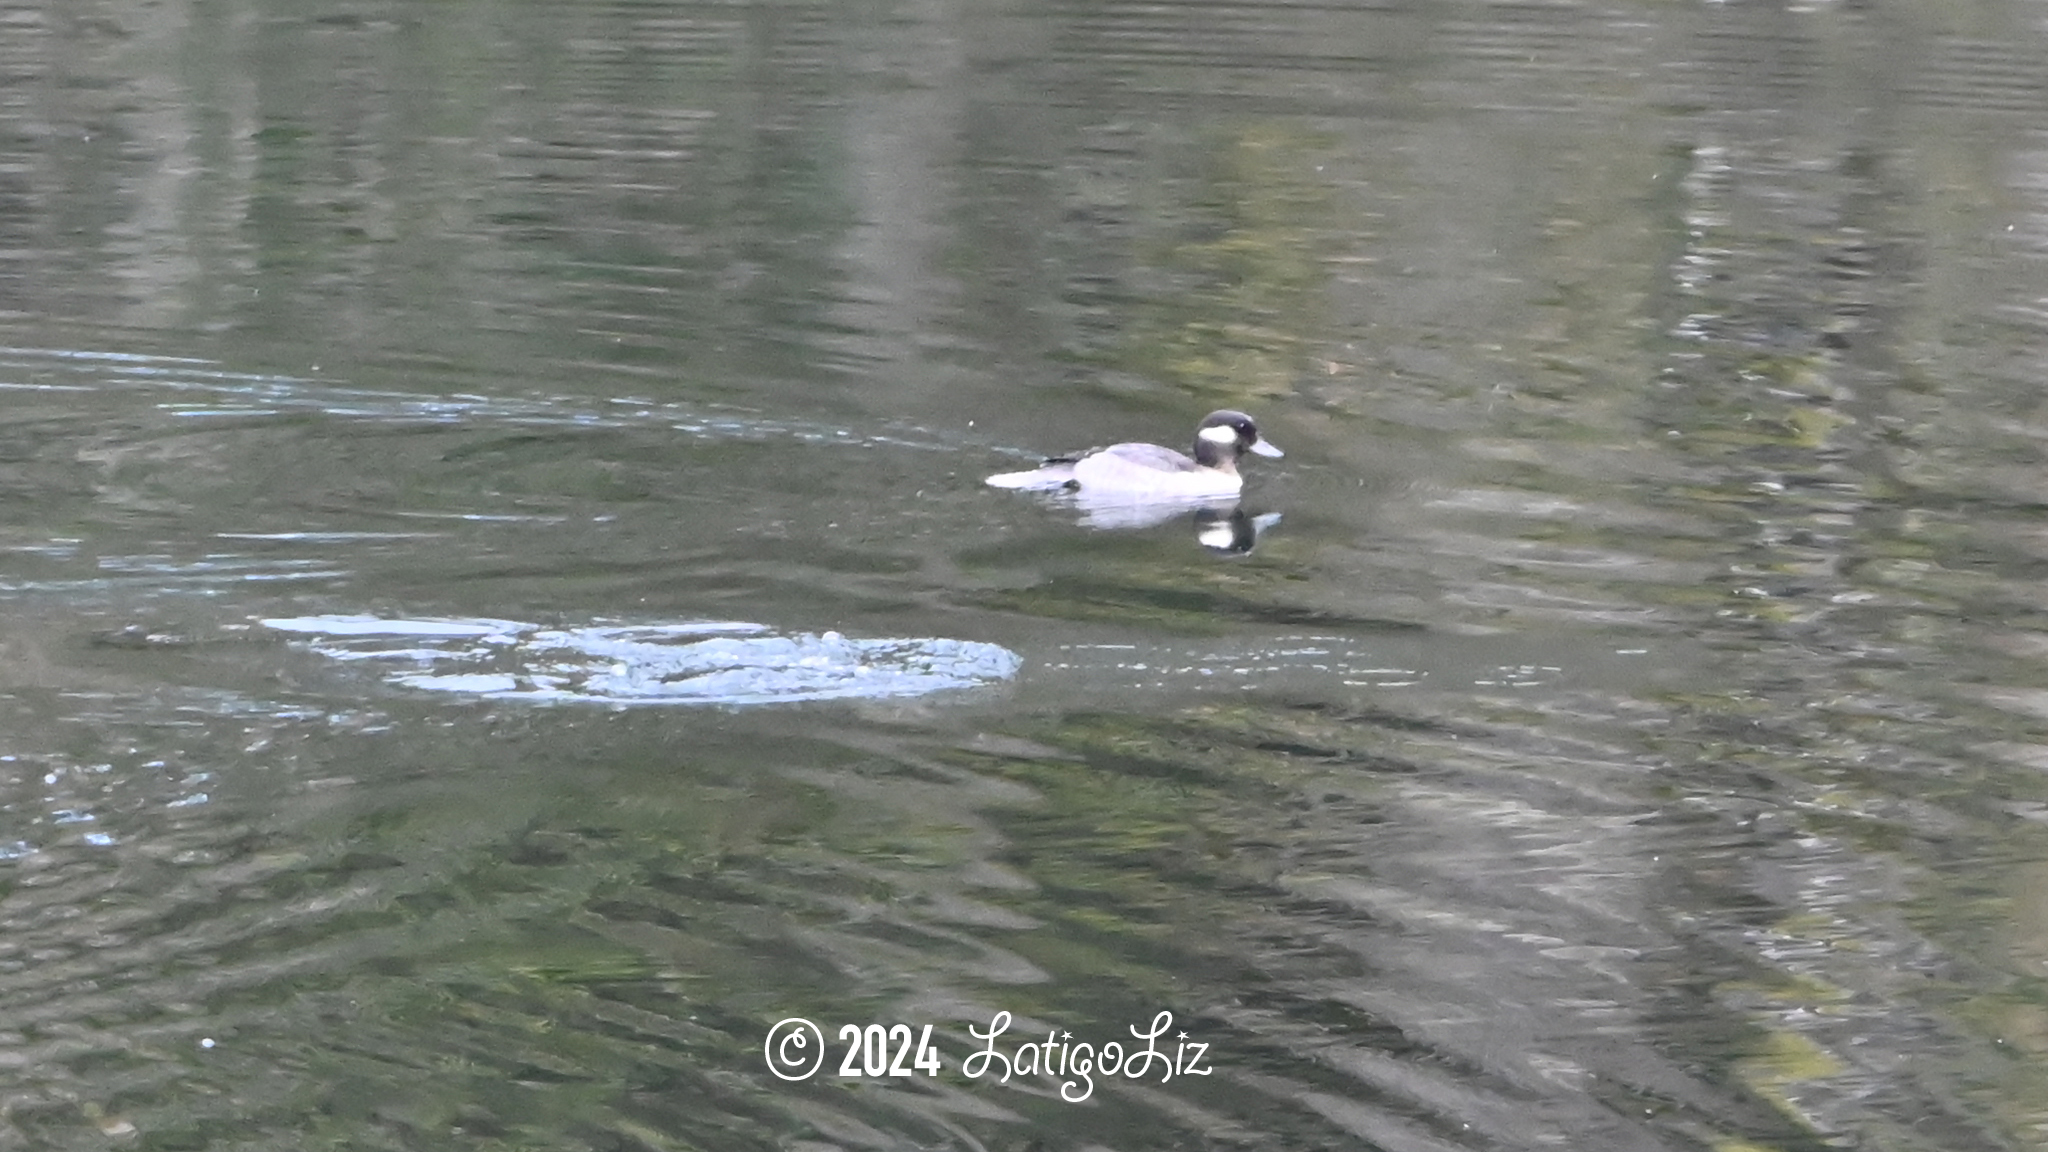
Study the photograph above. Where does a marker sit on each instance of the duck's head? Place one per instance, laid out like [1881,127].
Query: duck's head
[1224,436]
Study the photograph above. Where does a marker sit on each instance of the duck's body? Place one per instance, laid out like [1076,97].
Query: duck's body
[1150,472]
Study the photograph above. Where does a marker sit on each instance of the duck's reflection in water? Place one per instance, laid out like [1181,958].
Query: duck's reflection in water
[1233,531]
[1221,523]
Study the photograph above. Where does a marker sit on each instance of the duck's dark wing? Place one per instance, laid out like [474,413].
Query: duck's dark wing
[1054,474]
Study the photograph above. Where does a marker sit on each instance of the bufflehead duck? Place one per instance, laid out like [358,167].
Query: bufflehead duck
[1149,472]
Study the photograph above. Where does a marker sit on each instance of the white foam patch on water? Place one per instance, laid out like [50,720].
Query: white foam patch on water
[695,662]
[378,626]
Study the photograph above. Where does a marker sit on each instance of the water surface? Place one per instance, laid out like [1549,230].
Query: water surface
[500,608]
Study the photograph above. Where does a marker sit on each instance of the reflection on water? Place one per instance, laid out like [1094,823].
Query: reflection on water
[1632,739]
[1220,524]
[1236,531]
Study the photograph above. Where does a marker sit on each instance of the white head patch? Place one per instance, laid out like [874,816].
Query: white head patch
[1219,434]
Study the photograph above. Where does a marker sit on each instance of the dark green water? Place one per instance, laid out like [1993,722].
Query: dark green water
[498,607]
